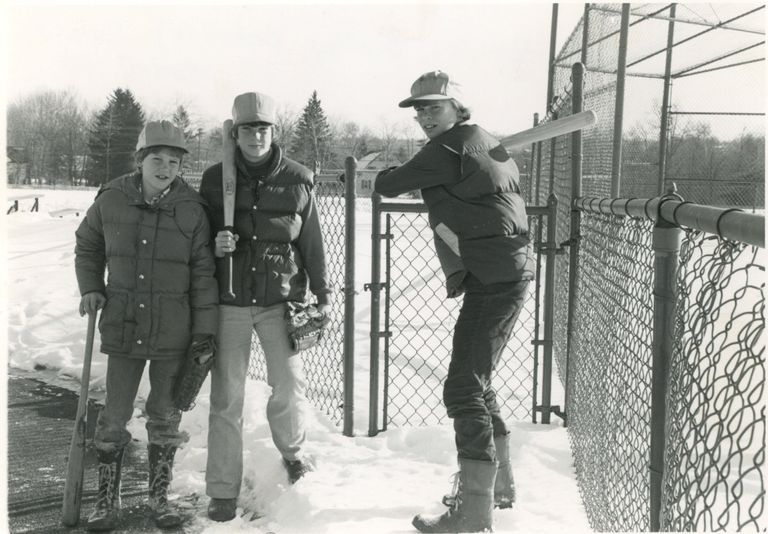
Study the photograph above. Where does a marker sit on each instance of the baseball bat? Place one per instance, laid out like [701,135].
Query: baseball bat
[548,130]
[228,183]
[73,487]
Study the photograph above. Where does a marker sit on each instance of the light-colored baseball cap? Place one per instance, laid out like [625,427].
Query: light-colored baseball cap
[253,107]
[434,85]
[161,133]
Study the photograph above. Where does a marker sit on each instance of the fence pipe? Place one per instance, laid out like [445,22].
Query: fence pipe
[373,401]
[549,310]
[575,237]
[350,171]
[552,150]
[665,101]
[552,53]
[729,223]
[667,239]
[585,35]
[618,117]
[534,147]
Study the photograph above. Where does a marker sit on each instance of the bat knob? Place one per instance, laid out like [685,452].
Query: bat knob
[227,296]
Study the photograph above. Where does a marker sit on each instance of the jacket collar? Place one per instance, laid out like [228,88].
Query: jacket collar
[275,161]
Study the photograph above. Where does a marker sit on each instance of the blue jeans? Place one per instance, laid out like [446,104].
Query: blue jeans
[285,375]
[486,320]
[123,378]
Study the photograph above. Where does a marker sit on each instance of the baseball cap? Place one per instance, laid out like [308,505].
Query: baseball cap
[253,107]
[433,85]
[161,133]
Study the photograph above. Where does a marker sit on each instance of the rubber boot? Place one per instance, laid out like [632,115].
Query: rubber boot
[160,476]
[473,510]
[106,516]
[504,489]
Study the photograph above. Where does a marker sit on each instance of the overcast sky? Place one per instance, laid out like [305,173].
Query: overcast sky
[360,57]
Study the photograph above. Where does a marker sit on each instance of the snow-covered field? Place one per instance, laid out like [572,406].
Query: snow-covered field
[361,484]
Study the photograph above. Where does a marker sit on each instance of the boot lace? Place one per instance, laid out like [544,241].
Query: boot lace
[107,476]
[160,482]
[453,499]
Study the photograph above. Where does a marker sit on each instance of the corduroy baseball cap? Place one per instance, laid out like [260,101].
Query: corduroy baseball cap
[161,133]
[434,85]
[253,107]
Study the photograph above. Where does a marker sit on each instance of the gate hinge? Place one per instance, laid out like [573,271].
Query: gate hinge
[383,236]
[378,286]
[543,248]
[379,335]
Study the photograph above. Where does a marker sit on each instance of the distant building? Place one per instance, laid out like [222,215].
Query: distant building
[17,164]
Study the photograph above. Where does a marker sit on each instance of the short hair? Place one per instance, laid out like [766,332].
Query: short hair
[464,112]
[142,153]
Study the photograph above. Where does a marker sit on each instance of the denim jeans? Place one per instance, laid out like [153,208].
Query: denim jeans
[486,320]
[285,375]
[123,378]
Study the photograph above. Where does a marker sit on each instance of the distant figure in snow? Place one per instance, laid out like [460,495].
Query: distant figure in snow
[149,231]
[470,186]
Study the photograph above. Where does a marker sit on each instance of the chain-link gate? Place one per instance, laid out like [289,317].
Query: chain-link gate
[418,326]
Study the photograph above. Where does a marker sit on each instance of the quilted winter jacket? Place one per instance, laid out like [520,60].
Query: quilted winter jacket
[471,188]
[160,286]
[279,253]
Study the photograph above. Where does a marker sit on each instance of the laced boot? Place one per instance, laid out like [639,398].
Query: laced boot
[106,516]
[473,509]
[160,475]
[504,489]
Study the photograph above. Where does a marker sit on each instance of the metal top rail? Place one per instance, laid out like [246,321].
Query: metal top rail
[729,223]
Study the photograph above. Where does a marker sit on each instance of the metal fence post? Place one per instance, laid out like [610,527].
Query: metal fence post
[549,310]
[666,247]
[663,134]
[577,72]
[350,171]
[618,118]
[373,393]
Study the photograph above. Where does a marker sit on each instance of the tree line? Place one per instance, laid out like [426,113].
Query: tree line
[54,138]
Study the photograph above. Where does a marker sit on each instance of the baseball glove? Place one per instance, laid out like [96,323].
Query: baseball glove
[305,325]
[197,362]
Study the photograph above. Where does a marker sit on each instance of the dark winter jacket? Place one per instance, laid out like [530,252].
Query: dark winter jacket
[160,287]
[279,252]
[471,188]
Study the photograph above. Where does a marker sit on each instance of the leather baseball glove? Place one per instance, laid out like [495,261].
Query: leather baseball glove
[305,325]
[197,362]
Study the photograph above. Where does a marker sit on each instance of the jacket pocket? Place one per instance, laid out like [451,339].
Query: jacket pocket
[113,323]
[173,324]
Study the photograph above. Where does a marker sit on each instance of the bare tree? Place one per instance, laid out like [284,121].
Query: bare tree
[285,127]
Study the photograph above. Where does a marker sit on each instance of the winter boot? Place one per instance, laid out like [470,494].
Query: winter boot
[296,469]
[473,509]
[160,475]
[107,513]
[504,490]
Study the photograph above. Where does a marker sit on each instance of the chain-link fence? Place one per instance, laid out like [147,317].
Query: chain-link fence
[418,328]
[712,447]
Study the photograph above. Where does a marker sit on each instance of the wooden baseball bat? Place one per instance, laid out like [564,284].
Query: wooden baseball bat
[228,183]
[548,130]
[73,487]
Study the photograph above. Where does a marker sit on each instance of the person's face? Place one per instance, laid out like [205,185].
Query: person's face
[254,140]
[159,169]
[436,116]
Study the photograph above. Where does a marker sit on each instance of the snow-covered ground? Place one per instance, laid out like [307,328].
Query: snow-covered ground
[361,484]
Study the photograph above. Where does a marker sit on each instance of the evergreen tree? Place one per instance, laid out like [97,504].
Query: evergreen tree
[183,122]
[113,136]
[313,139]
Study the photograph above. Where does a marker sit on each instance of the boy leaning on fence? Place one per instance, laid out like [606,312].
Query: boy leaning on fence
[277,254]
[149,232]
[471,189]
